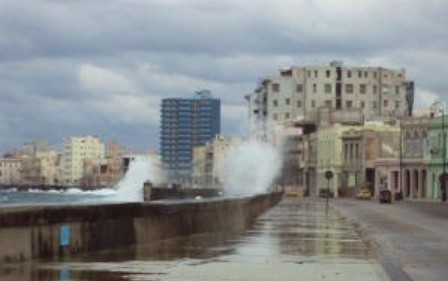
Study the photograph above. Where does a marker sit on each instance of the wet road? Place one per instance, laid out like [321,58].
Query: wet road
[296,240]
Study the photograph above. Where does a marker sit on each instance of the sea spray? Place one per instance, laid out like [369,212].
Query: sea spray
[251,168]
[130,188]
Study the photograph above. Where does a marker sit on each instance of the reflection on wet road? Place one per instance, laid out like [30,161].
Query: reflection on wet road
[293,241]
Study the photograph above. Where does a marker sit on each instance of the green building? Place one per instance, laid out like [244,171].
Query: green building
[434,153]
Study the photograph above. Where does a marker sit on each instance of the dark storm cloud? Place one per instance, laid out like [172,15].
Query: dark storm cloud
[101,67]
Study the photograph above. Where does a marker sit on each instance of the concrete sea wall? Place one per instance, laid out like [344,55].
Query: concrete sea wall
[61,231]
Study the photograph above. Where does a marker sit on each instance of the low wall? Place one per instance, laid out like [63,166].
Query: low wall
[61,231]
[158,193]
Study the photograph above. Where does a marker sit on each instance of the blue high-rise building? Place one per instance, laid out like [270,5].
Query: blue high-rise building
[186,123]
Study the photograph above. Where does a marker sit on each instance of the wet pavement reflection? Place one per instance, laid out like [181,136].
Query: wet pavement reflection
[296,240]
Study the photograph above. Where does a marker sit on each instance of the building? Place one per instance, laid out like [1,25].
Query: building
[414,170]
[185,124]
[77,152]
[330,156]
[362,148]
[107,171]
[299,94]
[39,164]
[10,171]
[436,150]
[41,168]
[209,161]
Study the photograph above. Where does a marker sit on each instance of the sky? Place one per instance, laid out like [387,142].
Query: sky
[76,67]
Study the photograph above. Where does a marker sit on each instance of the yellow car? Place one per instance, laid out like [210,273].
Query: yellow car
[363,194]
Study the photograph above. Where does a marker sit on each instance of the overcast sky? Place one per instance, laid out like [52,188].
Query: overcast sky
[71,67]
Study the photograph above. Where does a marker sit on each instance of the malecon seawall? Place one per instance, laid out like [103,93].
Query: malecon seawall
[62,231]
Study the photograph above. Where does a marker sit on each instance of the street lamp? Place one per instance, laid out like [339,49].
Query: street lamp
[399,117]
[437,107]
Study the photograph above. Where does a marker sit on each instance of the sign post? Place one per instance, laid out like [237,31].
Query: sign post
[328,176]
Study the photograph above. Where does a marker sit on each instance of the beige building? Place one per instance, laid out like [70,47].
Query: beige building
[298,94]
[40,168]
[77,152]
[10,171]
[361,149]
[107,171]
[209,160]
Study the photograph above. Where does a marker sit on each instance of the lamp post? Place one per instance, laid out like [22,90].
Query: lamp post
[437,107]
[399,117]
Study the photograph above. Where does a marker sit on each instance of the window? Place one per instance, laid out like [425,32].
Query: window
[348,104]
[299,104]
[349,88]
[375,89]
[366,74]
[287,115]
[385,88]
[359,73]
[275,102]
[299,88]
[374,75]
[287,101]
[328,88]
[385,103]
[313,104]
[362,88]
[314,88]
[328,73]
[276,87]
[315,73]
[362,104]
[397,105]
[328,103]
[397,89]
[349,74]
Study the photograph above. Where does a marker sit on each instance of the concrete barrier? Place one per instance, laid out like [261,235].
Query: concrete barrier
[61,231]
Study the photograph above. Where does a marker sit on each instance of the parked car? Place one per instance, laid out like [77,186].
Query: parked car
[385,196]
[398,196]
[325,192]
[363,194]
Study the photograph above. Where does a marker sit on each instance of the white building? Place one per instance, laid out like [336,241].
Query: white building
[78,151]
[300,93]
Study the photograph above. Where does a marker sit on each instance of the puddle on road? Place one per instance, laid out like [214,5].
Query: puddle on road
[293,241]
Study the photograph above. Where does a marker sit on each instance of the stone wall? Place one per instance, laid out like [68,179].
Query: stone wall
[60,231]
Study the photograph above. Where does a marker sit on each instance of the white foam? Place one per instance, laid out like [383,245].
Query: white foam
[251,168]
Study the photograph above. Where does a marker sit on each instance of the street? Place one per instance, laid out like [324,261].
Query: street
[410,237]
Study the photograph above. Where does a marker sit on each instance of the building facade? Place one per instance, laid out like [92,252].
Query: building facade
[361,149]
[185,124]
[436,150]
[209,162]
[77,152]
[10,171]
[298,94]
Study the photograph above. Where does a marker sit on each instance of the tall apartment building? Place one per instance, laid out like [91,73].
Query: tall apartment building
[77,152]
[299,93]
[186,123]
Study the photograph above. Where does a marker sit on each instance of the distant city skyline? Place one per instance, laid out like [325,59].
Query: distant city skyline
[82,67]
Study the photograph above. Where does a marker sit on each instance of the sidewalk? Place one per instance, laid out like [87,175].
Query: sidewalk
[413,236]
